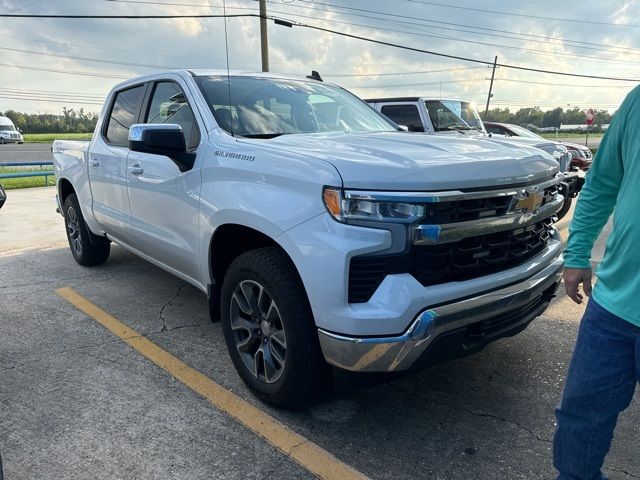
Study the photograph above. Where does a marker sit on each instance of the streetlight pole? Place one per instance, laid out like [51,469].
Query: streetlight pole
[264,39]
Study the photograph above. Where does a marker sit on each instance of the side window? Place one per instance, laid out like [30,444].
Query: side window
[407,115]
[124,114]
[169,105]
[495,130]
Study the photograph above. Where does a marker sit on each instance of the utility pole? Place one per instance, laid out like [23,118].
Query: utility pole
[264,39]
[493,74]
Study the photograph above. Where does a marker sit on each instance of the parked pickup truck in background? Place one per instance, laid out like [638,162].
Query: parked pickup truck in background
[322,235]
[460,118]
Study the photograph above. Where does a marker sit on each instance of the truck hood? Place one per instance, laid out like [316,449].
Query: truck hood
[419,162]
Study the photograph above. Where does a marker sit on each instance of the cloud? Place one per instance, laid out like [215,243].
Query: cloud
[195,43]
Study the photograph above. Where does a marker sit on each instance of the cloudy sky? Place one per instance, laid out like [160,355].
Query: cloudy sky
[46,64]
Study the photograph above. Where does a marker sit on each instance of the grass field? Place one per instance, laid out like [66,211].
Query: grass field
[559,135]
[13,183]
[50,137]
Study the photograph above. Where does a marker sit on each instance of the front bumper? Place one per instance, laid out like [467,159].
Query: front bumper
[449,330]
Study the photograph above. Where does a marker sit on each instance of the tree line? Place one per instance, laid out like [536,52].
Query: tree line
[550,118]
[70,121]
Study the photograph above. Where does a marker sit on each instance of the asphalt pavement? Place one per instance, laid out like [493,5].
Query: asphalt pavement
[79,403]
[26,152]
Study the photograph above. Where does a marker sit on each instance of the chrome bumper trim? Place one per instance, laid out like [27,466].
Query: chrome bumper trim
[446,196]
[453,232]
[396,353]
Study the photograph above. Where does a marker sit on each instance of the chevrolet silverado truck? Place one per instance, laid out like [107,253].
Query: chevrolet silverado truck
[323,236]
[458,117]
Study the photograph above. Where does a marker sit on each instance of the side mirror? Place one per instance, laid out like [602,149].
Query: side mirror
[162,139]
[3,196]
[404,128]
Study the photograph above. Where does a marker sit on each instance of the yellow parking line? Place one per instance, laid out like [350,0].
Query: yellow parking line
[306,453]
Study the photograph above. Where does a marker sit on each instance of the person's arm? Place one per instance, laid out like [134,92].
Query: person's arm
[595,204]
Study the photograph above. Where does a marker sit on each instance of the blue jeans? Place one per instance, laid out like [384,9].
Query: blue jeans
[600,384]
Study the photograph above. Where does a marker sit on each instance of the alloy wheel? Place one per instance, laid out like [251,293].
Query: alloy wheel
[73,228]
[258,331]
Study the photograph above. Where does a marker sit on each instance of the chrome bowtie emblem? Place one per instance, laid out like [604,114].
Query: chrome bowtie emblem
[530,202]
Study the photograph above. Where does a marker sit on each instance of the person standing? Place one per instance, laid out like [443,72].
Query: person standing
[605,365]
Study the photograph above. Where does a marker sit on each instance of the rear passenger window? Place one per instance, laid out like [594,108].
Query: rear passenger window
[124,114]
[406,115]
[169,105]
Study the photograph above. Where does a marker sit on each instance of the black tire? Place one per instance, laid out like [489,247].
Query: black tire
[1,141]
[566,206]
[304,376]
[87,249]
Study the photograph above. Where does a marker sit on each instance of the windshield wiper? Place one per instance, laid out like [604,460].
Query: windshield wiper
[462,130]
[264,135]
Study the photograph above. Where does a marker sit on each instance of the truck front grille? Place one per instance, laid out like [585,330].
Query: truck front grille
[456,261]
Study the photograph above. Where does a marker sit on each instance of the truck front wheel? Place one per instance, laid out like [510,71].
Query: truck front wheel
[270,332]
[87,249]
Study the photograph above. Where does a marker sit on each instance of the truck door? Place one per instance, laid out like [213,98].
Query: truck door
[165,201]
[107,159]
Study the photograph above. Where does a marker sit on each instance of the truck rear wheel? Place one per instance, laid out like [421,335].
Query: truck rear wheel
[270,332]
[87,249]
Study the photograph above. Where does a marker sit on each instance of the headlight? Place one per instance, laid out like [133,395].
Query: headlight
[354,208]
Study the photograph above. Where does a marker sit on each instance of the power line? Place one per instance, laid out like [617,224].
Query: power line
[290,23]
[457,39]
[53,100]
[560,84]
[494,31]
[445,55]
[86,96]
[559,19]
[86,59]
[128,17]
[399,73]
[67,72]
[401,85]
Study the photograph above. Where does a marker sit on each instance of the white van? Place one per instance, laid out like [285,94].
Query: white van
[8,132]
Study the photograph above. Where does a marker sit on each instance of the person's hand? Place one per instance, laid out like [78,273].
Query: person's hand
[574,277]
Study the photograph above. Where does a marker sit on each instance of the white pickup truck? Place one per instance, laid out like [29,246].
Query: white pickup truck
[322,235]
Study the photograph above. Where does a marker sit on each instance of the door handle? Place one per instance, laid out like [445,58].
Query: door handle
[136,169]
[94,162]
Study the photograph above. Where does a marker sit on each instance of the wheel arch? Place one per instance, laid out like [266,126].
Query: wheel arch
[65,188]
[227,243]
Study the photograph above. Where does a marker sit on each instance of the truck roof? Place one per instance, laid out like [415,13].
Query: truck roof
[5,120]
[211,72]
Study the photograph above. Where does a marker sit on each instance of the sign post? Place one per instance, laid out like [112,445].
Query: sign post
[590,115]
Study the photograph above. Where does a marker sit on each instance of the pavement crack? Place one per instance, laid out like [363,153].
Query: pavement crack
[622,470]
[169,302]
[296,446]
[474,413]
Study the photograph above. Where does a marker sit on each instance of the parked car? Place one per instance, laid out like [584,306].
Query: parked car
[8,132]
[460,118]
[321,234]
[582,155]
[3,196]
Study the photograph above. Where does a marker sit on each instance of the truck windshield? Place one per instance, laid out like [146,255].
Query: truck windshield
[9,128]
[453,115]
[523,132]
[268,107]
